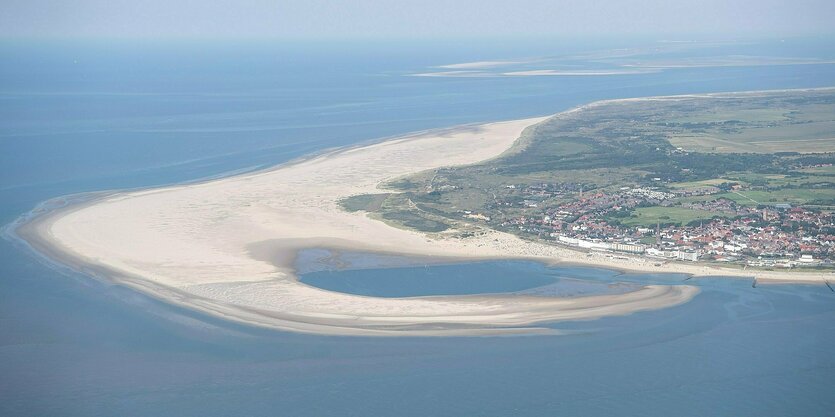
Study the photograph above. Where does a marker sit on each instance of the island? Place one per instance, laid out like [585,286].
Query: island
[615,183]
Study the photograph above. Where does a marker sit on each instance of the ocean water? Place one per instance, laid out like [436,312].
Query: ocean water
[89,116]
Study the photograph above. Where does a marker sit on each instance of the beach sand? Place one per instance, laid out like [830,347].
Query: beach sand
[226,246]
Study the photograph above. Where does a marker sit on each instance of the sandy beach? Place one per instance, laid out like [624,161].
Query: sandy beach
[226,246]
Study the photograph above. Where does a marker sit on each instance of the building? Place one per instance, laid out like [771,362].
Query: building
[687,256]
[807,259]
[627,247]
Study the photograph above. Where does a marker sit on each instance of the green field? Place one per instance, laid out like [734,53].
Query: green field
[806,187]
[784,124]
[412,219]
[651,216]
[697,184]
[365,202]
[793,196]
[760,115]
[818,138]
[824,170]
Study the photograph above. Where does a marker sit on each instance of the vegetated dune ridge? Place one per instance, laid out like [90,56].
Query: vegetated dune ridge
[226,246]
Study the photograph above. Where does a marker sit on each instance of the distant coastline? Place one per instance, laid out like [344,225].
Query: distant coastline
[224,246]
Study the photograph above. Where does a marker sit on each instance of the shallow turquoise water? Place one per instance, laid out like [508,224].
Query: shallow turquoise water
[81,117]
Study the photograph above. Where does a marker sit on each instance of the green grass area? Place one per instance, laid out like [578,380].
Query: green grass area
[564,147]
[650,216]
[771,181]
[412,219]
[790,180]
[697,184]
[396,209]
[808,137]
[743,115]
[793,196]
[364,202]
[399,210]
[790,122]
[826,170]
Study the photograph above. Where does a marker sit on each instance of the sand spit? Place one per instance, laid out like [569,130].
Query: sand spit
[226,246]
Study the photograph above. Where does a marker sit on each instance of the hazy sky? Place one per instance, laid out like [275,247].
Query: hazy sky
[411,18]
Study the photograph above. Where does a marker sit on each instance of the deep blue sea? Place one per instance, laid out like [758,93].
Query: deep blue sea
[94,115]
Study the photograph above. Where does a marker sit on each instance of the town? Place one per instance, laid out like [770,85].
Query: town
[685,180]
[720,229]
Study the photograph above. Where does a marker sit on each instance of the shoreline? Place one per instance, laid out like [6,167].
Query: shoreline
[165,245]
